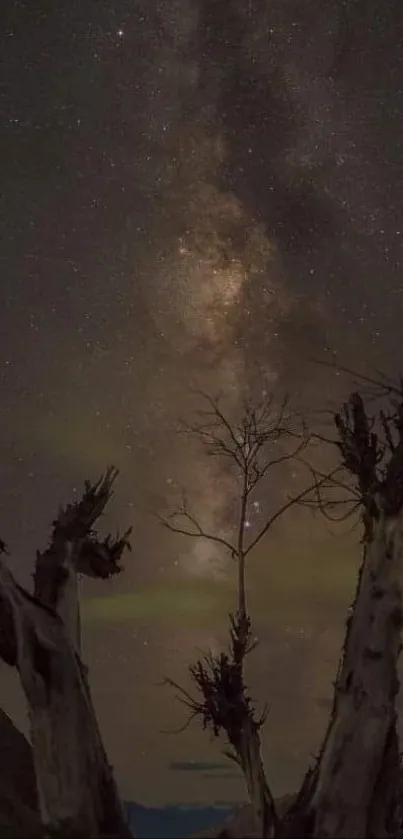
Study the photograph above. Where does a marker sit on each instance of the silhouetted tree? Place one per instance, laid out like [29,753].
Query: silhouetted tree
[355,786]
[39,635]
[266,436]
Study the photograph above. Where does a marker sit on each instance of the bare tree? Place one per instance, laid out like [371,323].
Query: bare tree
[39,635]
[267,436]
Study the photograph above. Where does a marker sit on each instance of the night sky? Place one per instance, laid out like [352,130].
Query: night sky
[194,194]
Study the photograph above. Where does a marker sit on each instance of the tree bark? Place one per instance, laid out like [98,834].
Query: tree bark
[385,816]
[66,597]
[246,744]
[76,789]
[360,743]
[75,550]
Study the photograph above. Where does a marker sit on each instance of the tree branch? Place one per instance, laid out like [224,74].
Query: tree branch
[283,509]
[198,533]
[88,555]
[386,387]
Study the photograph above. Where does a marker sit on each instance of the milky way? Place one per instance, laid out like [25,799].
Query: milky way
[276,228]
[195,194]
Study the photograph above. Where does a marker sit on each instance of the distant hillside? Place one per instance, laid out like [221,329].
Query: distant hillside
[228,821]
[240,823]
[176,821]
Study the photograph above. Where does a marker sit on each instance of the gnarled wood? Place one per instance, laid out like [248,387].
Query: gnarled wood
[248,752]
[40,635]
[76,790]
[364,715]
[75,550]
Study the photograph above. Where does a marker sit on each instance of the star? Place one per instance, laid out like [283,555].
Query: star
[190,205]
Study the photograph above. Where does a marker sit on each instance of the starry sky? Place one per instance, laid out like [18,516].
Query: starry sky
[194,194]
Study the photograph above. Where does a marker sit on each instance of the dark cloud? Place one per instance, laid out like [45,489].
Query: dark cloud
[196,766]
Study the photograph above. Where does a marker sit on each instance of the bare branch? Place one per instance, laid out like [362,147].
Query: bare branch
[74,525]
[331,478]
[216,446]
[222,419]
[74,549]
[384,385]
[185,725]
[259,474]
[197,532]
[184,693]
[101,559]
[283,509]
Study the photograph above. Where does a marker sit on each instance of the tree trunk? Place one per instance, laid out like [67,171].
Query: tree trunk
[66,597]
[385,817]
[247,748]
[76,789]
[360,741]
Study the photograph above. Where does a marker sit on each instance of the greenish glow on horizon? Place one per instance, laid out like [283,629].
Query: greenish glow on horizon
[298,589]
[186,602]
